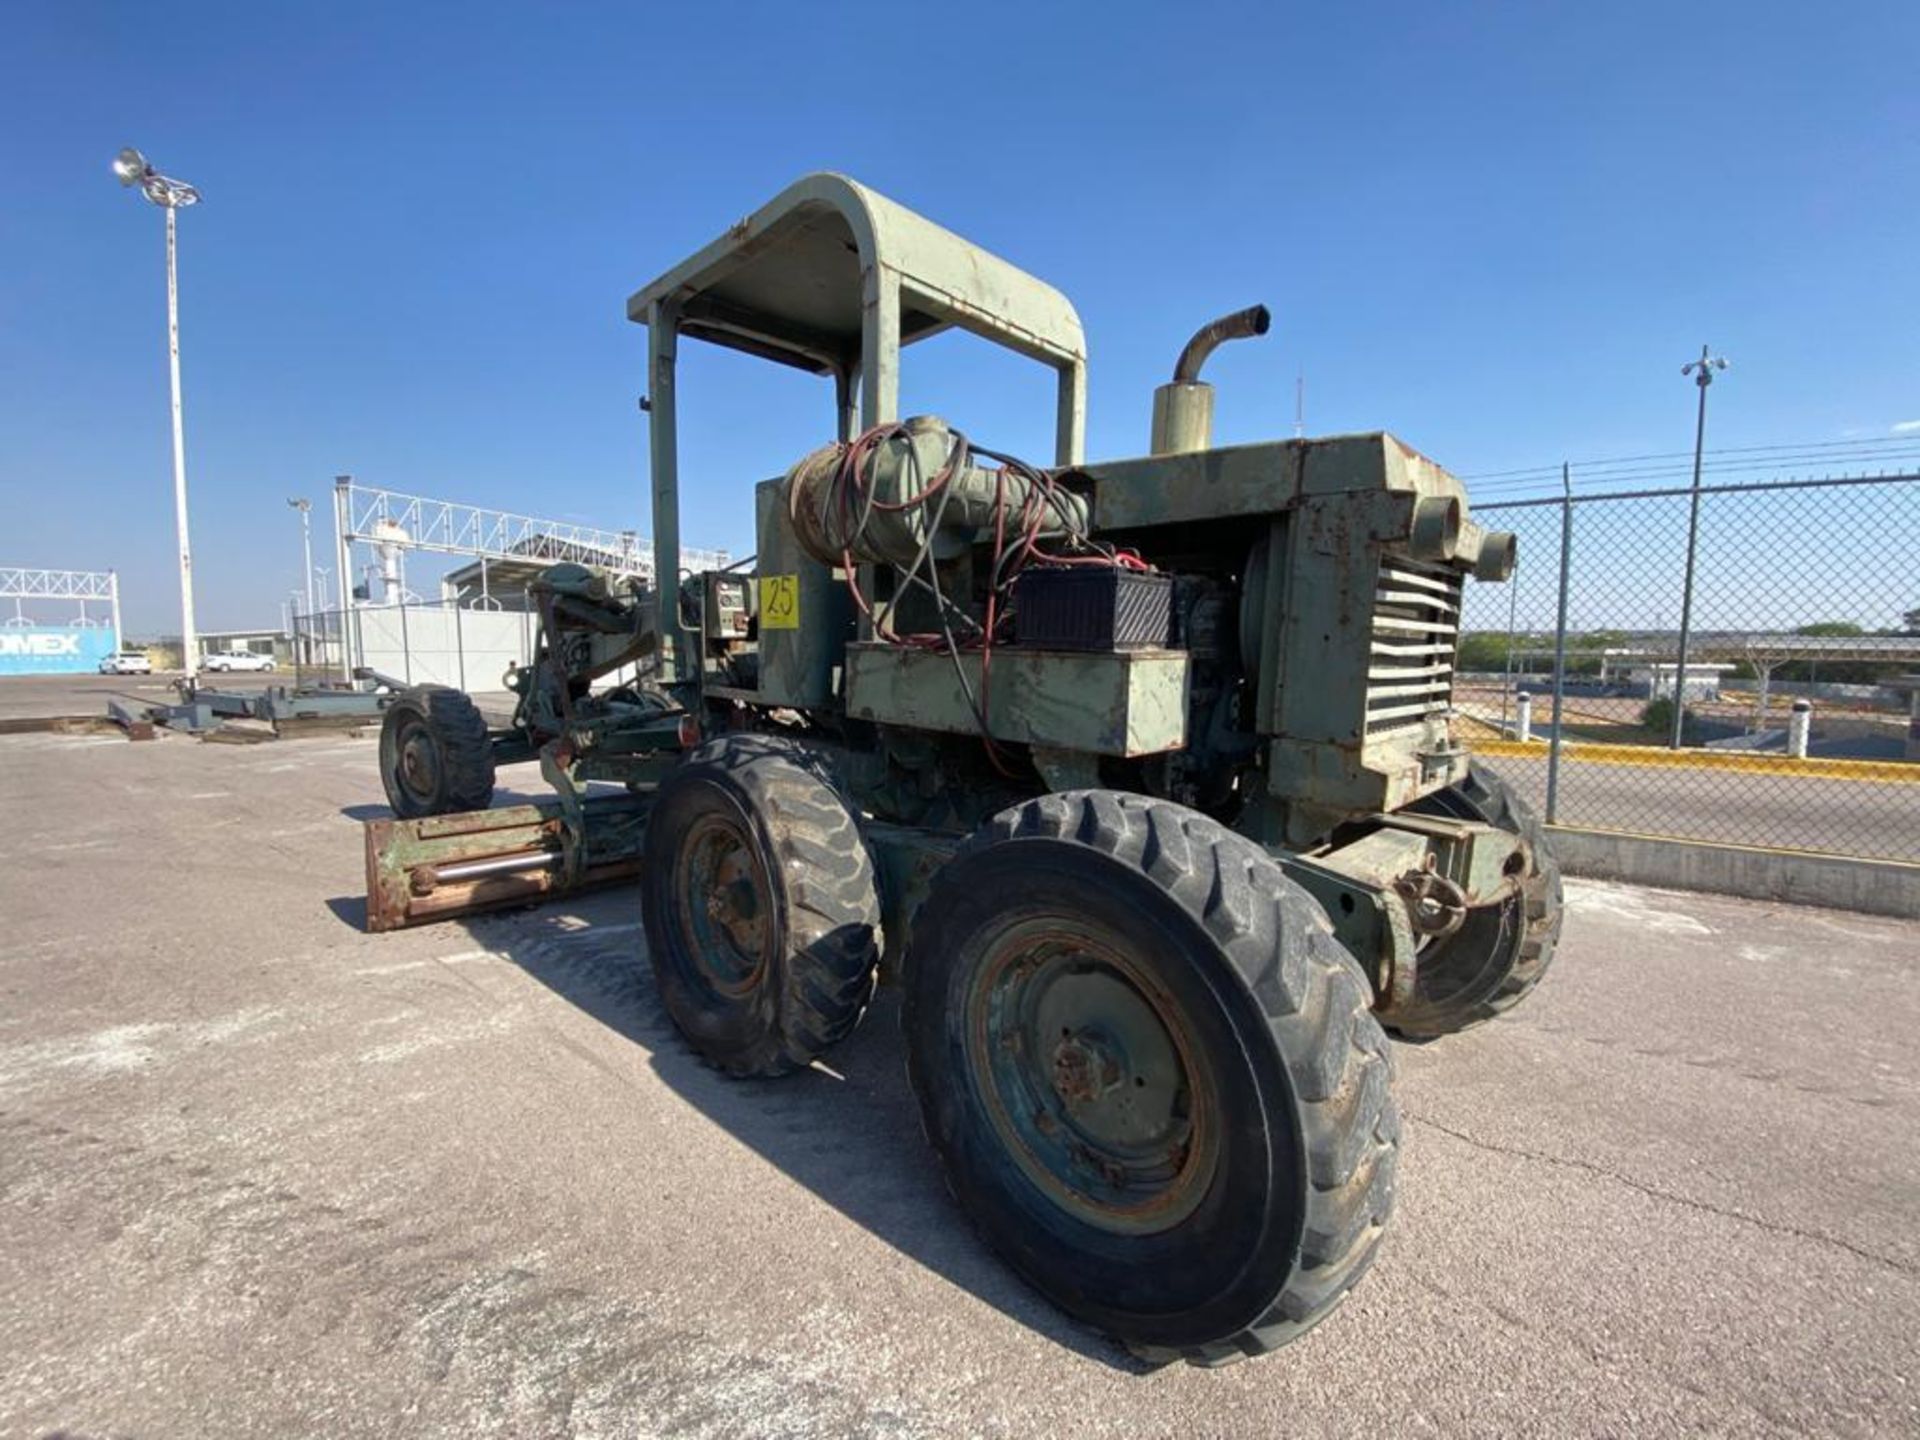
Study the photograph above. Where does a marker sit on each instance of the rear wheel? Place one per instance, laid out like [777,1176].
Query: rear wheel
[1493,961]
[1151,1074]
[436,757]
[762,915]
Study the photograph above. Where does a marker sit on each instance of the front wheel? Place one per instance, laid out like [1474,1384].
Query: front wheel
[1151,1074]
[762,912]
[436,756]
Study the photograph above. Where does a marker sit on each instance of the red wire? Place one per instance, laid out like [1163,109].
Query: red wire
[1039,500]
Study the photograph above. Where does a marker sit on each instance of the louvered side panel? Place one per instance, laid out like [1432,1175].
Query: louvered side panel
[1416,631]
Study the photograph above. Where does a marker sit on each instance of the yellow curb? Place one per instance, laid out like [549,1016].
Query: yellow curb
[1740,762]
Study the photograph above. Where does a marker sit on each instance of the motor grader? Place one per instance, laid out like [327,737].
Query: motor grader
[1140,776]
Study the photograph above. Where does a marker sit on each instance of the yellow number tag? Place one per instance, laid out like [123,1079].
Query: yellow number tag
[779,602]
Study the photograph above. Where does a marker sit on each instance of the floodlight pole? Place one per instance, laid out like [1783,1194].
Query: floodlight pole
[131,167]
[188,639]
[1702,372]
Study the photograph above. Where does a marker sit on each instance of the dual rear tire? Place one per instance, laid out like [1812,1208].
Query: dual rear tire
[1148,1068]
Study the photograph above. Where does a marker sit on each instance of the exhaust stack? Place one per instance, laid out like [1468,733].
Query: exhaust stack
[1183,408]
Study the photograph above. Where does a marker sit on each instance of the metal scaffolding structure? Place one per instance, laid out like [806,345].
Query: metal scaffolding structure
[392,522]
[20,583]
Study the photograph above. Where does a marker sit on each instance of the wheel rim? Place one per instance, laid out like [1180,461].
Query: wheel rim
[1091,1077]
[416,766]
[726,906]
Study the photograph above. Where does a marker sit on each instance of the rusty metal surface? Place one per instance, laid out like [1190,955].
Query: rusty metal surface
[406,860]
[137,724]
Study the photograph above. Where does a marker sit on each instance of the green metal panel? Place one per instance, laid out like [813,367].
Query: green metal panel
[801,648]
[1260,479]
[1113,703]
[1346,741]
[1200,485]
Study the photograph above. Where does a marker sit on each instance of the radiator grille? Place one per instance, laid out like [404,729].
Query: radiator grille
[1416,630]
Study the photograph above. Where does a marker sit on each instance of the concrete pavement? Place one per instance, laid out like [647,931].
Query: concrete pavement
[262,1174]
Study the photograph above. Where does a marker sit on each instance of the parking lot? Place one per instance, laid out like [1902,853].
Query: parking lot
[264,1174]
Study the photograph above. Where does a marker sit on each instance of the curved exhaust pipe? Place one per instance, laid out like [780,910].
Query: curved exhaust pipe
[1241,325]
[1183,408]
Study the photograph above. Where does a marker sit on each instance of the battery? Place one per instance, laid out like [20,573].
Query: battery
[1092,607]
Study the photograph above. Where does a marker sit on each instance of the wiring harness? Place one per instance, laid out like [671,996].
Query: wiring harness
[1033,524]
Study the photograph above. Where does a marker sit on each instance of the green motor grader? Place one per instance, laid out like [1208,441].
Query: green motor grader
[1140,776]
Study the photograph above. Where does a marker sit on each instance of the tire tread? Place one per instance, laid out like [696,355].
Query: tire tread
[831,903]
[1316,1003]
[466,750]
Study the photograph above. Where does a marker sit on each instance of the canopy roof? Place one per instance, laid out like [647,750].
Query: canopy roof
[790,282]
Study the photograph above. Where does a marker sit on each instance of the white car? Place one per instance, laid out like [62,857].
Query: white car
[236,660]
[127,662]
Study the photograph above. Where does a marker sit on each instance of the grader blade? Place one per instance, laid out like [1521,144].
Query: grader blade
[443,866]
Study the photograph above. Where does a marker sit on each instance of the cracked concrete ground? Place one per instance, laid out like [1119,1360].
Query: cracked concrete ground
[262,1174]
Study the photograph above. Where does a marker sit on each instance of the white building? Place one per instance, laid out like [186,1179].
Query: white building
[1654,679]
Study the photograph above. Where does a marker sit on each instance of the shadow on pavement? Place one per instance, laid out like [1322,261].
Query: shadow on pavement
[849,1129]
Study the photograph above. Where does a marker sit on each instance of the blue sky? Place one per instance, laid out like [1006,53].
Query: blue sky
[1494,230]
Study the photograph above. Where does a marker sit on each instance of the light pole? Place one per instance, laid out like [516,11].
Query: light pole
[1702,371]
[170,195]
[305,507]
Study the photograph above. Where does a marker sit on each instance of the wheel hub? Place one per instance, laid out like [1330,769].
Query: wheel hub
[728,915]
[419,762]
[1092,1077]
[1083,1069]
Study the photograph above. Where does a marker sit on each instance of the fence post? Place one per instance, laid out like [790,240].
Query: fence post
[1560,645]
[459,645]
[1703,379]
[406,645]
[1513,612]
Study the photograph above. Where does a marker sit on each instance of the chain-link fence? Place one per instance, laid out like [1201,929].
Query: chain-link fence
[1794,728]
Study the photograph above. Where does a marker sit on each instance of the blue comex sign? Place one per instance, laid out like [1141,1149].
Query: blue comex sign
[54,649]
